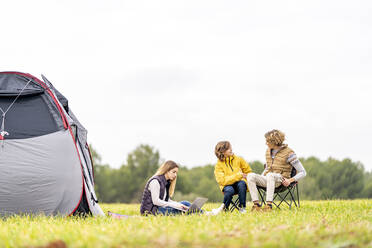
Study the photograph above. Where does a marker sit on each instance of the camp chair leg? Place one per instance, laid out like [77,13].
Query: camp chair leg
[274,201]
[234,204]
[262,194]
[293,196]
[233,207]
[293,193]
[283,199]
[298,196]
[276,205]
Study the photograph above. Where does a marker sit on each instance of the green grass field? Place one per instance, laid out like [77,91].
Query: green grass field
[315,224]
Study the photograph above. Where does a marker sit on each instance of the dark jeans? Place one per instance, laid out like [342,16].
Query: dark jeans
[172,211]
[229,191]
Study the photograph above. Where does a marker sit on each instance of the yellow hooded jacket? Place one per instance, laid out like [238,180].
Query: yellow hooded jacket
[228,172]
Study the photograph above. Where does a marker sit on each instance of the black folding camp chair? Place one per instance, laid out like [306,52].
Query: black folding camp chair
[234,203]
[288,195]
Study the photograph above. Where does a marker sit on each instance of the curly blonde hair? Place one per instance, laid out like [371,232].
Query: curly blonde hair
[221,148]
[275,137]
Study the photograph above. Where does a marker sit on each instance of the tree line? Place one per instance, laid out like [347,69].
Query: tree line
[329,179]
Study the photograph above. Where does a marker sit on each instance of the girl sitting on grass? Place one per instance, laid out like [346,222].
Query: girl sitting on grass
[158,190]
[280,159]
[231,172]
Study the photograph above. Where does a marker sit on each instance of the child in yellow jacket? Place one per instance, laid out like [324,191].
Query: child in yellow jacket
[231,175]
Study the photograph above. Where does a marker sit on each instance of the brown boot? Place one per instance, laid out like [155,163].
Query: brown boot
[256,208]
[267,208]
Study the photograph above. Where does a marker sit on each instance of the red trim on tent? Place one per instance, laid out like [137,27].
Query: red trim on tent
[65,124]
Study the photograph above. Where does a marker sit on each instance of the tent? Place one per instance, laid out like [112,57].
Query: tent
[45,162]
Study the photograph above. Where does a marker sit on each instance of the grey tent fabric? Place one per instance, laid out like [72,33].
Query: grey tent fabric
[79,130]
[12,84]
[61,98]
[40,179]
[45,163]
[81,134]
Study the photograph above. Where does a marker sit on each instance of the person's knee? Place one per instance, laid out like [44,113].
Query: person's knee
[250,177]
[242,185]
[228,191]
[270,176]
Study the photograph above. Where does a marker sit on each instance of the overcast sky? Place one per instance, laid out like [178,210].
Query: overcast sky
[183,75]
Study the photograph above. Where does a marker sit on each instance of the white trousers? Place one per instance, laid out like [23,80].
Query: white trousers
[270,181]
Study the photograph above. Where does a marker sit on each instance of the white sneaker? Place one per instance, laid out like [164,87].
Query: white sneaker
[242,210]
[211,213]
[216,211]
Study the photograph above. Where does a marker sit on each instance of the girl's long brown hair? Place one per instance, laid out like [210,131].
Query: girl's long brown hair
[220,149]
[164,168]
